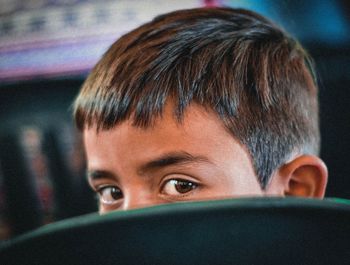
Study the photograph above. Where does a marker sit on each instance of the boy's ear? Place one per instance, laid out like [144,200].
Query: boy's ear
[304,176]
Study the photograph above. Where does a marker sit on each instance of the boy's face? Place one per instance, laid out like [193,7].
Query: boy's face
[197,159]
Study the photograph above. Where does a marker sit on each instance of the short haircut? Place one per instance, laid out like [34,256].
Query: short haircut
[257,79]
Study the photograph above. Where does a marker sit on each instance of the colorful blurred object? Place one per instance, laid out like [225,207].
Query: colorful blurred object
[53,38]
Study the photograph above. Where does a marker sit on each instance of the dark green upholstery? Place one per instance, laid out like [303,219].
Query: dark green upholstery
[237,231]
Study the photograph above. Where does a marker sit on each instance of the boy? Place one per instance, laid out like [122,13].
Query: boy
[201,104]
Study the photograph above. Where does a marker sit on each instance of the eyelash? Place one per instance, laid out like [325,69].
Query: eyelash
[194,185]
[99,192]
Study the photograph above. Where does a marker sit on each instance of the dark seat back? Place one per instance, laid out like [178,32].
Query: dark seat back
[238,231]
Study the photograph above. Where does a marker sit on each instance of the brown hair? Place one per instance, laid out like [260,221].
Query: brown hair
[256,78]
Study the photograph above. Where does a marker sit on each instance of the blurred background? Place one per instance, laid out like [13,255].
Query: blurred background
[47,48]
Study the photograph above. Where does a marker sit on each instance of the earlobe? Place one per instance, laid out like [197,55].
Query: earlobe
[305,176]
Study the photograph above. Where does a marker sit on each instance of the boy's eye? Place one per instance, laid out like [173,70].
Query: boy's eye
[178,186]
[109,194]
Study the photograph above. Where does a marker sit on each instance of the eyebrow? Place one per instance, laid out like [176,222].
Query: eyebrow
[100,174]
[172,159]
[166,160]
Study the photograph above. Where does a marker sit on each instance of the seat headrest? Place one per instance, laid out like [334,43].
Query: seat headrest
[235,231]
